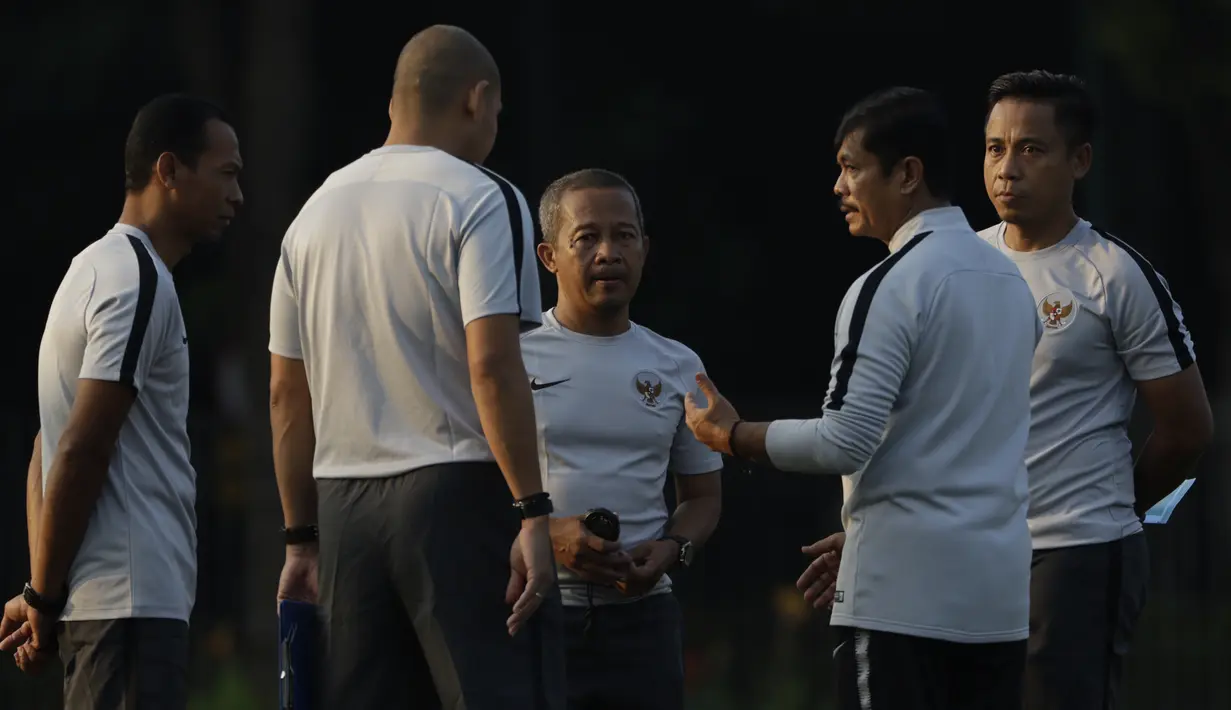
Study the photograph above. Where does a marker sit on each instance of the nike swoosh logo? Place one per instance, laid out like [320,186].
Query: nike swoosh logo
[535,385]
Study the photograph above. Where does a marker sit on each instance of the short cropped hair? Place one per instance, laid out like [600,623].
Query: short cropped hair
[589,178]
[1076,114]
[172,123]
[902,122]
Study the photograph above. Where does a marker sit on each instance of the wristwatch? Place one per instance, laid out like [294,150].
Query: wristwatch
[45,606]
[687,553]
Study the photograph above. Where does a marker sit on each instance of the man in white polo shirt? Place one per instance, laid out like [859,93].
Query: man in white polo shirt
[609,400]
[926,421]
[112,520]
[1111,330]
[397,381]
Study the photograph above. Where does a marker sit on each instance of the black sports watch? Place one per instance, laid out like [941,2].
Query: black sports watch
[535,505]
[687,552]
[603,523]
[45,606]
[301,534]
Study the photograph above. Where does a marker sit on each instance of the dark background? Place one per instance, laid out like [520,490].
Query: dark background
[722,117]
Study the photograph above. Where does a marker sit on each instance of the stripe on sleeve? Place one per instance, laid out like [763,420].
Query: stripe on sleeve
[859,318]
[513,205]
[1166,304]
[146,287]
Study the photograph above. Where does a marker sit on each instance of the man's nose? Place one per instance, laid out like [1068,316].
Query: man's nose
[607,251]
[237,197]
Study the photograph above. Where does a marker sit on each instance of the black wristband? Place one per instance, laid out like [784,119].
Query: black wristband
[301,534]
[731,439]
[535,505]
[44,605]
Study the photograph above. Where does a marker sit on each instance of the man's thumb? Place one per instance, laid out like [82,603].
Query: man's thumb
[707,386]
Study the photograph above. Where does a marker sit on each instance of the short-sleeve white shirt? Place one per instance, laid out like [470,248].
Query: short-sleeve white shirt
[116,317]
[378,277]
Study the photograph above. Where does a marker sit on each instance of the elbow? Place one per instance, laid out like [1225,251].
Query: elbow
[1192,436]
[489,370]
[285,394]
[81,452]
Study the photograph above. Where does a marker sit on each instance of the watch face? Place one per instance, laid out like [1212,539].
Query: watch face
[686,553]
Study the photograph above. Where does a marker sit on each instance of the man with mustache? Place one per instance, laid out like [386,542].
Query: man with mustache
[926,421]
[1111,330]
[609,401]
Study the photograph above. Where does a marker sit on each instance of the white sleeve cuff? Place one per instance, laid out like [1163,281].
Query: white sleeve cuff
[801,446]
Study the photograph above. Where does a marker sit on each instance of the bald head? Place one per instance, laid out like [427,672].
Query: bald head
[438,66]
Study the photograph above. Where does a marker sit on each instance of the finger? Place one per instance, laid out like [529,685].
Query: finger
[523,610]
[819,547]
[598,544]
[601,575]
[812,572]
[707,388]
[825,599]
[18,638]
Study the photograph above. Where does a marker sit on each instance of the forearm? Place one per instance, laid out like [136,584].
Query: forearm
[1165,462]
[807,446]
[34,496]
[75,481]
[696,518]
[294,446]
[506,410]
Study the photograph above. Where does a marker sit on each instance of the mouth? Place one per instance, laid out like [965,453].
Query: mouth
[607,279]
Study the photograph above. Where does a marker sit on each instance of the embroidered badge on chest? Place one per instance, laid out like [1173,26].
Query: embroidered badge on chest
[1058,310]
[649,388]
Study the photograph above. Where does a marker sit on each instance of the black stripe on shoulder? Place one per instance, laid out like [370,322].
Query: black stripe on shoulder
[859,318]
[513,205]
[146,288]
[1166,303]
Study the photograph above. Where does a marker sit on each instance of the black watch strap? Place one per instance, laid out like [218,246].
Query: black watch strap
[45,606]
[535,505]
[301,534]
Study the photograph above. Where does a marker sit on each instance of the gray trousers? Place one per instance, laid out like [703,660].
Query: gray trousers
[1084,606]
[413,573]
[124,664]
[626,656]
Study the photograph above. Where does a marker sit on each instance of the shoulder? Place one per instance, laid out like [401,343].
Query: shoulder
[671,349]
[1115,259]
[120,264]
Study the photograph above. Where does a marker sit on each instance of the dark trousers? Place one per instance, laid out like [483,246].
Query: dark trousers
[124,664]
[1084,605]
[630,656]
[413,573]
[883,671]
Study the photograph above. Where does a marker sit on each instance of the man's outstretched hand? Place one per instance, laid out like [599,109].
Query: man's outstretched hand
[712,423]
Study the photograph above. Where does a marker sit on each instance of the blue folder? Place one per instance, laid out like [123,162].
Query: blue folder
[299,633]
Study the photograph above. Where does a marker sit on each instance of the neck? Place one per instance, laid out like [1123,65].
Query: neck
[593,322]
[141,212]
[425,134]
[921,204]
[1033,236]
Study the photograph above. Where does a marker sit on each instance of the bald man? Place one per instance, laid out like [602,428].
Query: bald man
[397,384]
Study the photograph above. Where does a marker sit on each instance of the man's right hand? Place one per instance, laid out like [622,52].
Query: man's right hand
[300,579]
[819,581]
[532,574]
[590,556]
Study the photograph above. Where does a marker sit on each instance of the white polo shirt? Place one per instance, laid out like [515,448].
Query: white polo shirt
[1109,322]
[379,275]
[116,317]
[610,414]
[926,419]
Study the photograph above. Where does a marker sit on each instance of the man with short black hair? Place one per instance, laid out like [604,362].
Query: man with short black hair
[397,383]
[111,493]
[606,466]
[926,421]
[1111,330]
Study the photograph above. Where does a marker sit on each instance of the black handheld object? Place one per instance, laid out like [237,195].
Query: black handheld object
[603,523]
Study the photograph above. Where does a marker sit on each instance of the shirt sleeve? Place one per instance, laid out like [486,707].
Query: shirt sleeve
[1151,337]
[122,325]
[496,270]
[872,355]
[284,336]
[690,457]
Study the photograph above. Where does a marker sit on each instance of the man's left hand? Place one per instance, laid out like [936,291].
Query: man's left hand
[710,424]
[651,560]
[30,635]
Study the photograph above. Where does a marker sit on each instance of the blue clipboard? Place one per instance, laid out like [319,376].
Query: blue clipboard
[299,634]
